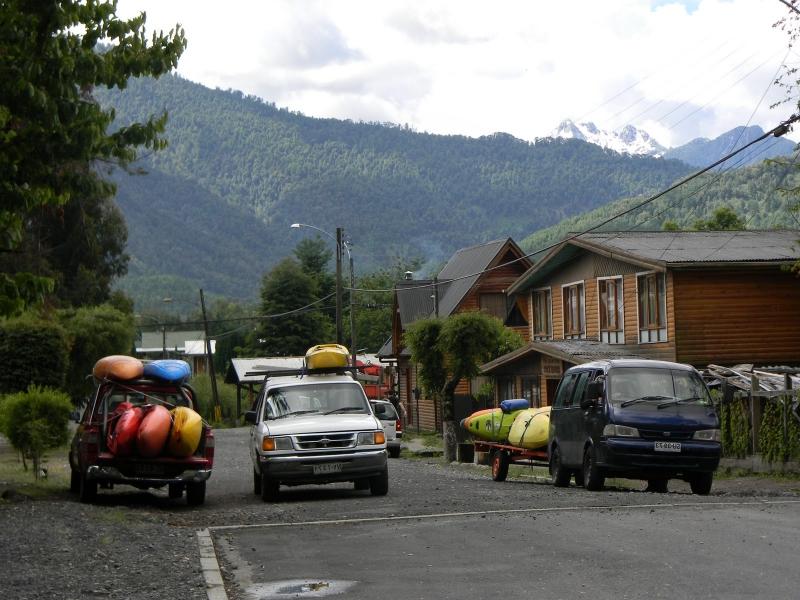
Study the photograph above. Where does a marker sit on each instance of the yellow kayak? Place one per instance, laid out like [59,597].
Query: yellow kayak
[530,428]
[326,356]
[187,426]
[491,424]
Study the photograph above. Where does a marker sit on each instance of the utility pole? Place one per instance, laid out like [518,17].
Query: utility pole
[352,308]
[339,285]
[210,358]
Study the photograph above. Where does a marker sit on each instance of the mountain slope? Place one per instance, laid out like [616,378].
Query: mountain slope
[702,152]
[396,192]
[628,140]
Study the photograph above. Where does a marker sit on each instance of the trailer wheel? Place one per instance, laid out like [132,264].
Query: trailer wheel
[500,462]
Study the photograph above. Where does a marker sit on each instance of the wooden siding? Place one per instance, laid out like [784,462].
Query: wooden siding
[728,317]
[591,309]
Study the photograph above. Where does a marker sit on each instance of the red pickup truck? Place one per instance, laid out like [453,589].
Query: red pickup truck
[93,465]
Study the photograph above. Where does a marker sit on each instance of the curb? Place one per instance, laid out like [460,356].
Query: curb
[215,588]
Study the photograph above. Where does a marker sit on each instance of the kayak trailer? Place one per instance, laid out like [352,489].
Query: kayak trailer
[503,455]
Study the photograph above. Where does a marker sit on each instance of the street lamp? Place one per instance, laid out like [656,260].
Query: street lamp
[340,243]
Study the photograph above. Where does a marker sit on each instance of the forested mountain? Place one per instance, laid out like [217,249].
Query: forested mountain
[758,194]
[702,152]
[215,207]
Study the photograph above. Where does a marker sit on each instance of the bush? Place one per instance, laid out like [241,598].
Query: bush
[35,421]
[33,351]
[227,398]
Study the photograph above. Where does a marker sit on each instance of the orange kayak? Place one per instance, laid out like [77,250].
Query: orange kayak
[119,367]
[153,431]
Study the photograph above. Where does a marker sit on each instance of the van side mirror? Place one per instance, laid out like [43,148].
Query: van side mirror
[250,417]
[594,391]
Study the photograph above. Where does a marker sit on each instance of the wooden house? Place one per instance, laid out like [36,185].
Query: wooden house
[697,297]
[475,278]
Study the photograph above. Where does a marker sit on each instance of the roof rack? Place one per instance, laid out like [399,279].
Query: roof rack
[304,371]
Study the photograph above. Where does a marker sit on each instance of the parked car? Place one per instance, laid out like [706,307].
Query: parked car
[315,428]
[637,419]
[392,426]
[93,464]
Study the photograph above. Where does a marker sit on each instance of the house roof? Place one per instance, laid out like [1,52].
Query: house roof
[174,339]
[385,351]
[462,271]
[414,299]
[672,249]
[573,351]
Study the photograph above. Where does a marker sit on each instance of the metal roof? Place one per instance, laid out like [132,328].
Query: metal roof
[672,249]
[574,351]
[681,247]
[239,367]
[414,299]
[462,271]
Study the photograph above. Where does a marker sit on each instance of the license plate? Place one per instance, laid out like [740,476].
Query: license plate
[668,447]
[327,468]
[149,469]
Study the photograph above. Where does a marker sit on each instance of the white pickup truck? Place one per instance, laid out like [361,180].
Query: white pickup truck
[315,427]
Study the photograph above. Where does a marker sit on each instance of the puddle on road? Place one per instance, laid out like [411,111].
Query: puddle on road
[298,588]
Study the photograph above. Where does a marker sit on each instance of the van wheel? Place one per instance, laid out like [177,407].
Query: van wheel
[379,485]
[593,476]
[558,473]
[500,463]
[579,477]
[256,482]
[701,483]
[270,489]
[658,486]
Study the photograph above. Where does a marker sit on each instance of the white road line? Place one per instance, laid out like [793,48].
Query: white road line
[215,587]
[216,528]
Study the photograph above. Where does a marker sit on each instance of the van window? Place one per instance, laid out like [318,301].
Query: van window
[580,387]
[565,388]
[631,384]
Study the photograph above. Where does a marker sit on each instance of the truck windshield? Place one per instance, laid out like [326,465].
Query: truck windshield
[658,387]
[315,398]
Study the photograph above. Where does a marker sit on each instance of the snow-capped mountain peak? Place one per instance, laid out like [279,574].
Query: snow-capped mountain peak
[628,140]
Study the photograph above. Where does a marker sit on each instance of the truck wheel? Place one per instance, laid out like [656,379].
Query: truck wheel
[361,484]
[701,483]
[379,485]
[499,465]
[195,493]
[593,476]
[175,490]
[558,473]
[74,481]
[87,489]
[256,482]
[270,489]
[394,452]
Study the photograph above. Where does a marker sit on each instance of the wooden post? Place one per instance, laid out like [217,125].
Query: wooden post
[217,407]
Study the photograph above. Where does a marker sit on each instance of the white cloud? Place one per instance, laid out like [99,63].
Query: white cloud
[679,70]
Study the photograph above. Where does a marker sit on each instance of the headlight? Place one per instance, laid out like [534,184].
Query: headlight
[276,443]
[707,435]
[371,438]
[620,431]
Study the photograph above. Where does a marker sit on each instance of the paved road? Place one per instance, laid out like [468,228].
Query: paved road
[451,532]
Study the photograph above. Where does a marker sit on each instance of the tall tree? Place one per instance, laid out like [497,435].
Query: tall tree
[723,219]
[451,349]
[289,329]
[52,133]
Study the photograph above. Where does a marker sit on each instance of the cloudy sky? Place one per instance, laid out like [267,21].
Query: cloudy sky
[678,70]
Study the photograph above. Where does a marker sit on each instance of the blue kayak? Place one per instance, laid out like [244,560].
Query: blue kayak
[168,370]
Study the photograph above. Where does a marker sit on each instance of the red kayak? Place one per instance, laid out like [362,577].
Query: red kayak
[121,439]
[153,431]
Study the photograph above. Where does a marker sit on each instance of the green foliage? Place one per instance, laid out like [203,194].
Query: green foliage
[422,339]
[35,421]
[286,288]
[735,423]
[93,332]
[52,132]
[722,219]
[33,351]
[776,444]
[205,399]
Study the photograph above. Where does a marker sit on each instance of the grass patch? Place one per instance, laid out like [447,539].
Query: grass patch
[737,473]
[14,476]
[429,439]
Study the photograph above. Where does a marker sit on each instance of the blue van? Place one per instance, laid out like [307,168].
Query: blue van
[636,419]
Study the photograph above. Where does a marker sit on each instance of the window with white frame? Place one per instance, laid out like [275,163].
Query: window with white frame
[609,294]
[651,289]
[542,325]
[574,311]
